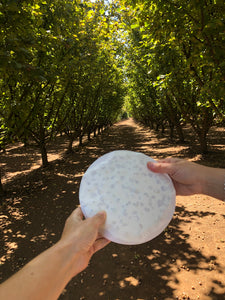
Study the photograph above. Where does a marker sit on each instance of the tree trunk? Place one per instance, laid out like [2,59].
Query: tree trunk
[81,140]
[1,188]
[180,132]
[171,125]
[99,130]
[202,136]
[151,124]
[203,128]
[89,136]
[95,133]
[44,154]
[70,146]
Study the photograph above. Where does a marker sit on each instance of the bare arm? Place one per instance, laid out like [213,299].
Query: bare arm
[190,178]
[46,275]
[214,183]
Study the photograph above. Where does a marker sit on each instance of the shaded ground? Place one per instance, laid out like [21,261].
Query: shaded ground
[186,260]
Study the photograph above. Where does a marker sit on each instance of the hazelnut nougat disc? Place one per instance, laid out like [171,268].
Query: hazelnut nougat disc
[138,202]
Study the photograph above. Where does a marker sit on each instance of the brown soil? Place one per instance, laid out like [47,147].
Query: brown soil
[187,261]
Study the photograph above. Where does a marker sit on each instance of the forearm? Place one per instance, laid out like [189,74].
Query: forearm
[43,278]
[46,275]
[213,183]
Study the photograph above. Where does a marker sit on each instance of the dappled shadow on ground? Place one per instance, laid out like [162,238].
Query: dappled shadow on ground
[19,158]
[148,271]
[38,203]
[162,145]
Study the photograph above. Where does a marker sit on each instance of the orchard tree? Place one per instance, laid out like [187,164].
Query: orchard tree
[178,44]
[54,63]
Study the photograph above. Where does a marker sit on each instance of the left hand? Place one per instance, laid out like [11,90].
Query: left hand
[82,237]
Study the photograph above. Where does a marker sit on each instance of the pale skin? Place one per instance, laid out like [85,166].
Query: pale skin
[191,178]
[46,275]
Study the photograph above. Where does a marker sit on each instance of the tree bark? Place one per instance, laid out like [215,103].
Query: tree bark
[171,125]
[81,140]
[180,132]
[151,124]
[1,188]
[44,154]
[70,146]
[202,129]
[203,142]
[174,117]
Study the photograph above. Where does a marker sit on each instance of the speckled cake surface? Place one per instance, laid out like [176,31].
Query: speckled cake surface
[138,202]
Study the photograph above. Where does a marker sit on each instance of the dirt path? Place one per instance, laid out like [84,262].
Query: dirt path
[187,261]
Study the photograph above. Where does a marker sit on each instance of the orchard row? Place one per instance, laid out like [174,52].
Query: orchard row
[66,66]
[60,70]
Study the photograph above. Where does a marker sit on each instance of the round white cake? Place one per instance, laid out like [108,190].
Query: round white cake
[139,203]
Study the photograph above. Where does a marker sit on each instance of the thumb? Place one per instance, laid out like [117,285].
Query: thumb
[159,167]
[98,219]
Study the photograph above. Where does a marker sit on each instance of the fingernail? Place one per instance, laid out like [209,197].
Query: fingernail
[101,214]
[150,164]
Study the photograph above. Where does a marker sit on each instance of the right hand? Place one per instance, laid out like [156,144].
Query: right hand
[187,176]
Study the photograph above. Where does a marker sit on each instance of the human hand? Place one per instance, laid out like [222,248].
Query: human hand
[187,176]
[46,275]
[82,238]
